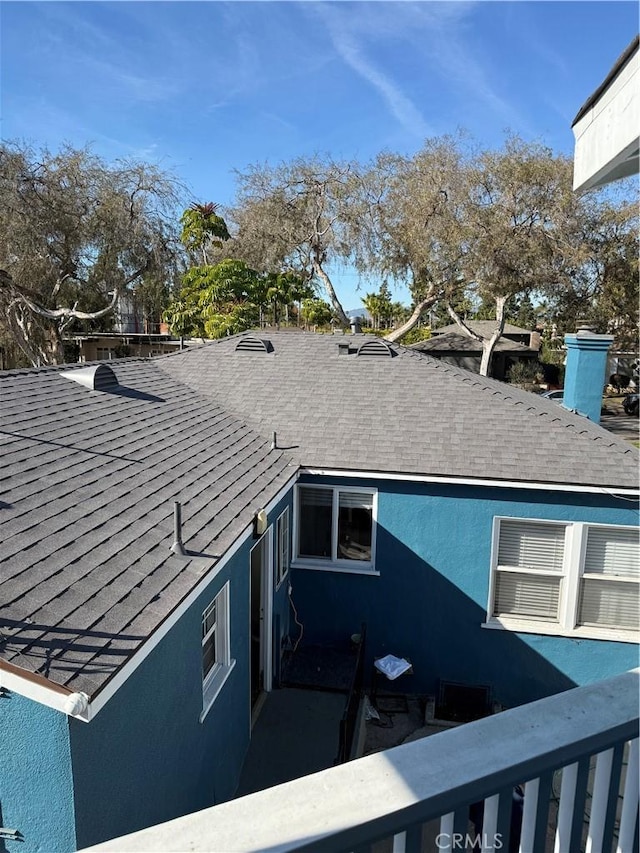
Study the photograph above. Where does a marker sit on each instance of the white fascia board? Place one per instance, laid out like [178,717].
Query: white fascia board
[612,491]
[62,699]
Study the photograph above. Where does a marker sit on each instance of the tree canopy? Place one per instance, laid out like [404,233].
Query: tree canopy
[228,296]
[499,232]
[76,234]
[297,217]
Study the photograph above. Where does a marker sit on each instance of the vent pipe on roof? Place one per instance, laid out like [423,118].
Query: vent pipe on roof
[98,377]
[177,547]
[274,441]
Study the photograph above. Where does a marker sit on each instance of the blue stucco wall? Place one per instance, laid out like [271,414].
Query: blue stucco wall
[146,758]
[433,554]
[36,790]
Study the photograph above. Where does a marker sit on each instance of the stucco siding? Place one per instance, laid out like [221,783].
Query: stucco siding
[146,757]
[36,790]
[430,600]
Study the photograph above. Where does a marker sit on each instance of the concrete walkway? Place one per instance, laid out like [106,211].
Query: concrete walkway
[296,734]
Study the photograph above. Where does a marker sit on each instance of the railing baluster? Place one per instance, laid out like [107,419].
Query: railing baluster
[612,803]
[599,800]
[580,796]
[529,816]
[445,838]
[400,842]
[565,811]
[629,815]
[542,814]
[490,823]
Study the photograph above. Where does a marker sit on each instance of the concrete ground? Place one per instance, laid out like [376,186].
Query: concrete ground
[615,419]
[295,734]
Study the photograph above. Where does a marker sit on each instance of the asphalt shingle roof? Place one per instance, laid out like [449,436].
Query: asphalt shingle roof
[482,327]
[87,485]
[410,414]
[88,478]
[458,342]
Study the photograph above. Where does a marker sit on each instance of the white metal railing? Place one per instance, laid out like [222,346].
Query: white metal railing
[576,754]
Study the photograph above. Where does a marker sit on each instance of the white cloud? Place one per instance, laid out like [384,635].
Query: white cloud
[346,44]
[440,34]
[400,106]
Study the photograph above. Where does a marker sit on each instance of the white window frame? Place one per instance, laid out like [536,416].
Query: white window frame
[570,584]
[283,546]
[219,632]
[335,564]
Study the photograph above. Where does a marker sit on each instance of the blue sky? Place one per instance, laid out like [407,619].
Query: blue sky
[203,88]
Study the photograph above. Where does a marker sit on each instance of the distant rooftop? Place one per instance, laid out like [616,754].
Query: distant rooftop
[481,327]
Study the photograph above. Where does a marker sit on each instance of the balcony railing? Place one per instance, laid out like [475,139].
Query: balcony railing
[575,754]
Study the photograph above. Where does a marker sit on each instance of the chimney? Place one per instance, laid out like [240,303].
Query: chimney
[355,326]
[585,372]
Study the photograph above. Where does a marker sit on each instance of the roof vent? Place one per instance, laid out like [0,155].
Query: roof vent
[377,348]
[251,344]
[98,377]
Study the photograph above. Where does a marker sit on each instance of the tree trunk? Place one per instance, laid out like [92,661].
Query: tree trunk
[418,311]
[333,298]
[488,346]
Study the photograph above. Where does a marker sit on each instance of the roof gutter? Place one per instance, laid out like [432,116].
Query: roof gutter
[46,692]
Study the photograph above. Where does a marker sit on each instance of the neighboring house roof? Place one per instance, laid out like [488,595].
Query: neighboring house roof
[458,342]
[89,477]
[86,517]
[482,327]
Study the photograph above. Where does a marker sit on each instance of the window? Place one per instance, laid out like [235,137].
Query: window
[216,647]
[335,527]
[282,546]
[609,585]
[565,578]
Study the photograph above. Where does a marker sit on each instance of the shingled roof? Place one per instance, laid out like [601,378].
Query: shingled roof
[482,327]
[88,480]
[458,342]
[88,477]
[409,414]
